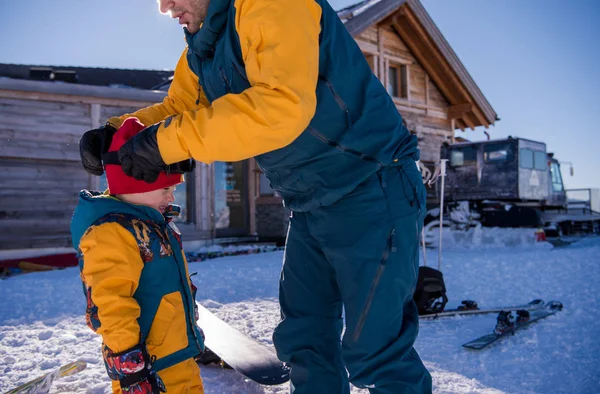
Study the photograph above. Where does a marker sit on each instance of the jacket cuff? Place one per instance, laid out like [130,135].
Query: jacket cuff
[170,147]
[116,121]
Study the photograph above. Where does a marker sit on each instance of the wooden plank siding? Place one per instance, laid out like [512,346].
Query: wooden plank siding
[37,130]
[107,111]
[40,172]
[37,199]
[369,35]
[424,107]
[40,169]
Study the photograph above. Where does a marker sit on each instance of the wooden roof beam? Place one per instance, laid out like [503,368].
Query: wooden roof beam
[459,110]
[468,121]
[469,113]
[481,117]
[431,60]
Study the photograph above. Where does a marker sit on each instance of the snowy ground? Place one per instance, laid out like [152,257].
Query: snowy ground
[42,319]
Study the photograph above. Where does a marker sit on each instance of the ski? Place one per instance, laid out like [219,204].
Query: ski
[43,384]
[509,322]
[469,307]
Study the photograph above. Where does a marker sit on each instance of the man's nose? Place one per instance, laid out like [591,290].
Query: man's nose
[165,5]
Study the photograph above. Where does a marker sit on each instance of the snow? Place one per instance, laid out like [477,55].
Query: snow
[42,322]
[365,7]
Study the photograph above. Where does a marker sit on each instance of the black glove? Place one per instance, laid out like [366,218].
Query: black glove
[133,369]
[140,157]
[92,145]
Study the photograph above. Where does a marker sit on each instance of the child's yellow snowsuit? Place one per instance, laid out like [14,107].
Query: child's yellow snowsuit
[137,285]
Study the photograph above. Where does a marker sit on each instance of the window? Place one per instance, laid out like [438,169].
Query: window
[397,81]
[540,160]
[557,183]
[393,81]
[231,198]
[533,159]
[496,153]
[463,156]
[526,158]
[182,197]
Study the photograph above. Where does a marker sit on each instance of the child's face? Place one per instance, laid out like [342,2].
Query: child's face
[158,199]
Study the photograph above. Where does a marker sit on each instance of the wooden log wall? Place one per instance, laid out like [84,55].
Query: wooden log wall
[40,170]
[423,106]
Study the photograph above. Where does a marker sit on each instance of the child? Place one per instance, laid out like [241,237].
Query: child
[135,278]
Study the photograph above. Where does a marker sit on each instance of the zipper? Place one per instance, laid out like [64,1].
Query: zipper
[203,82]
[341,147]
[191,313]
[338,99]
[199,90]
[416,253]
[389,247]
[225,79]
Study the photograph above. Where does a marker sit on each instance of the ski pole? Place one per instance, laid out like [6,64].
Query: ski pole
[426,175]
[443,175]
[423,244]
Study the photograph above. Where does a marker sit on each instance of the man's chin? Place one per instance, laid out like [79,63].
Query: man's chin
[192,28]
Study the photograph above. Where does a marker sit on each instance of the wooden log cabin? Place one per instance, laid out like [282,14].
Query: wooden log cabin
[44,111]
[430,86]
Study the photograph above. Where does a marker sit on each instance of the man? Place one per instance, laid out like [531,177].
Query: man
[283,82]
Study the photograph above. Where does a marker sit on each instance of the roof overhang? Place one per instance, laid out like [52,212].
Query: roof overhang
[55,91]
[468,106]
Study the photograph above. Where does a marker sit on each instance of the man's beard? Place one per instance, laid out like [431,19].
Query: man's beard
[199,9]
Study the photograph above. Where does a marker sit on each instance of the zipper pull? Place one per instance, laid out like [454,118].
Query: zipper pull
[225,80]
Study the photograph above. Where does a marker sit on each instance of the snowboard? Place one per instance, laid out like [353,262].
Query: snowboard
[43,384]
[245,355]
[508,324]
[471,308]
[561,242]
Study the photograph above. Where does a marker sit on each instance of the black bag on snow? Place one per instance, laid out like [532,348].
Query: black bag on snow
[430,294]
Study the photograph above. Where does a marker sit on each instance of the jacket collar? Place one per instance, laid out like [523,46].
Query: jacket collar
[203,41]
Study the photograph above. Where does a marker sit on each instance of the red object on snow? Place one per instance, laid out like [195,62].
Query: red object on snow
[41,263]
[540,236]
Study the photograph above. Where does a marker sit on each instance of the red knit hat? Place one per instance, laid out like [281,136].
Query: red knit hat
[118,182]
